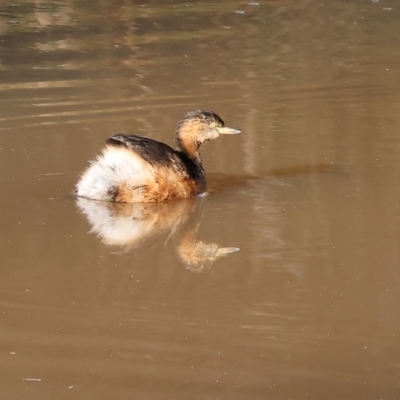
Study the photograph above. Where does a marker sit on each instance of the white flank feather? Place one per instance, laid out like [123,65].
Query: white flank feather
[116,166]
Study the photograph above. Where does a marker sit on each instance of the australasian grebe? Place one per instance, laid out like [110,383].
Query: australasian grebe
[135,169]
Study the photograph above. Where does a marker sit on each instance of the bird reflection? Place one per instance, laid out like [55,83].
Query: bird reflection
[133,225]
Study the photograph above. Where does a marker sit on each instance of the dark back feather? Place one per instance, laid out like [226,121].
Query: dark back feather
[150,150]
[160,154]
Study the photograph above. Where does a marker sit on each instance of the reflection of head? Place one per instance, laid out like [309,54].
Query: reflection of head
[198,254]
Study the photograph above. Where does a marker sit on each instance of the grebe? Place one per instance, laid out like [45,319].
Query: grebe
[135,169]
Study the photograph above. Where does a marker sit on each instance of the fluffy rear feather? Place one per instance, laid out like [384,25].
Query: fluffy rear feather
[120,174]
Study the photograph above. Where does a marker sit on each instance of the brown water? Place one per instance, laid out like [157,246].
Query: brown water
[103,302]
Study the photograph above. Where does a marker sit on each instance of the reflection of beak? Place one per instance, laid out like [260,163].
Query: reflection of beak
[227,131]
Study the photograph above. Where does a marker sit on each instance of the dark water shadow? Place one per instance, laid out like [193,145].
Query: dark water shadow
[220,182]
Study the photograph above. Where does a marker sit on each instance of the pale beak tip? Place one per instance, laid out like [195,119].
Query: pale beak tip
[228,131]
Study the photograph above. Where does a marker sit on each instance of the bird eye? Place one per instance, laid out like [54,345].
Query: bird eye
[213,124]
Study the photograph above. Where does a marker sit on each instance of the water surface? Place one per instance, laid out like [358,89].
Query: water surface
[101,301]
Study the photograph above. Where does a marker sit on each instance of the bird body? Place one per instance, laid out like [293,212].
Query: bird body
[134,169]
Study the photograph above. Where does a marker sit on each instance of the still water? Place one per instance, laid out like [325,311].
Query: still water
[283,283]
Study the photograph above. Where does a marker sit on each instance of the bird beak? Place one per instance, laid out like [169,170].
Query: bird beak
[227,131]
[223,251]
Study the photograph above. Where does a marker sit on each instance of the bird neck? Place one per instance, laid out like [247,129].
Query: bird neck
[190,148]
[190,155]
